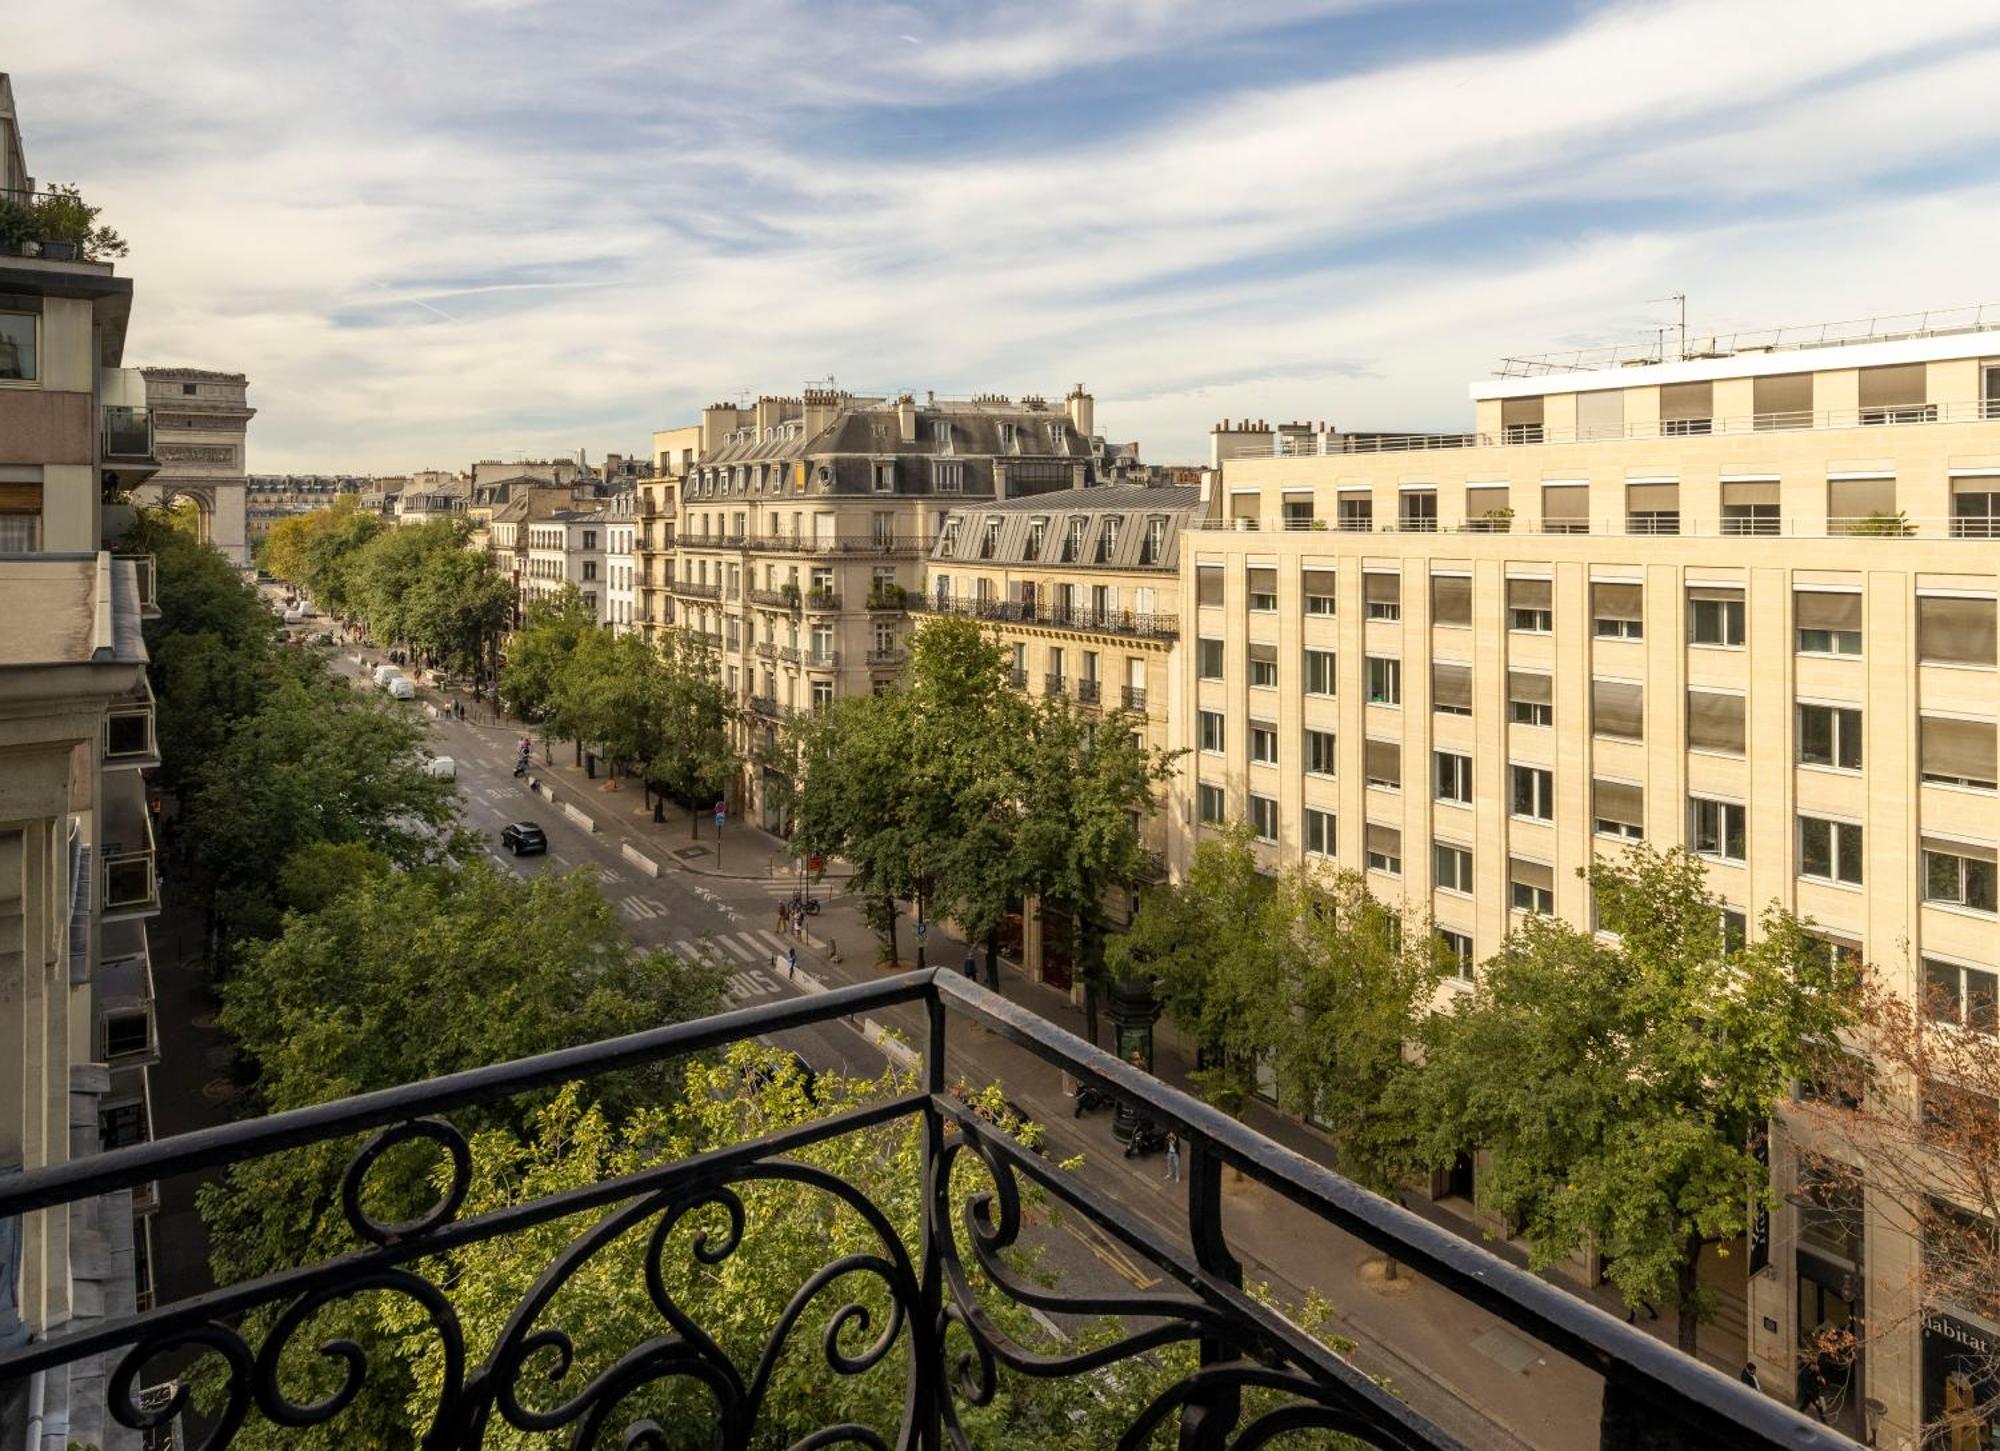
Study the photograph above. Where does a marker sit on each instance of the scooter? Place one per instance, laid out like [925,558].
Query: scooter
[1147,1137]
[807,905]
[521,766]
[1088,1098]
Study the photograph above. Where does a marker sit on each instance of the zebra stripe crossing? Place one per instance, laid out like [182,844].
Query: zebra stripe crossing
[727,950]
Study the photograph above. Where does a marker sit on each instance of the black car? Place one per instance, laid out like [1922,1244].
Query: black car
[523,838]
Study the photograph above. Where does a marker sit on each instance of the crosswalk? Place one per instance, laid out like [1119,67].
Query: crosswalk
[755,960]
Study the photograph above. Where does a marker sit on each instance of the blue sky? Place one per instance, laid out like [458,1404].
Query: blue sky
[436,230]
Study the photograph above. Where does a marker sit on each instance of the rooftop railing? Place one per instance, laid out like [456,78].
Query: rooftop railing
[1333,445]
[1983,528]
[942,1272]
[1085,618]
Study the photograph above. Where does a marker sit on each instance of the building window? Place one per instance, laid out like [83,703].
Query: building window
[590,569]
[1385,680]
[1954,631]
[1615,611]
[1452,867]
[1385,850]
[1530,607]
[1320,757]
[1354,512]
[1451,600]
[1209,804]
[1263,585]
[1455,948]
[1208,659]
[822,694]
[1715,829]
[1531,887]
[19,359]
[1383,596]
[1454,778]
[1715,722]
[1618,809]
[1532,792]
[1263,743]
[1828,623]
[1319,832]
[1419,512]
[948,476]
[1208,585]
[1715,617]
[1529,698]
[1953,752]
[1264,818]
[1320,672]
[1153,548]
[1959,875]
[1830,735]
[1263,667]
[1451,688]
[1072,543]
[1830,851]
[1617,709]
[1382,763]
[885,478]
[1317,585]
[989,539]
[1966,996]
[1107,539]
[1213,737]
[1038,531]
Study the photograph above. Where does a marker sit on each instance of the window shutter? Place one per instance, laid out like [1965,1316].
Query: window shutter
[17,497]
[1961,848]
[1618,801]
[1263,581]
[1715,722]
[1520,412]
[1652,498]
[1954,630]
[1318,581]
[1382,589]
[1826,610]
[1384,840]
[1958,748]
[1484,499]
[1601,414]
[1383,761]
[1682,401]
[1208,584]
[1529,594]
[1451,685]
[1617,708]
[1728,594]
[1530,686]
[1616,601]
[1783,393]
[1263,652]
[1763,491]
[1533,874]
[1901,386]
[1565,503]
[1451,600]
[1858,498]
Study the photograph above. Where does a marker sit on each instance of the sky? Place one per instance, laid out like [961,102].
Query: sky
[439,230]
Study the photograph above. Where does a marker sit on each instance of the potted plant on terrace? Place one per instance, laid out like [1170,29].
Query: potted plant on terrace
[17,227]
[67,227]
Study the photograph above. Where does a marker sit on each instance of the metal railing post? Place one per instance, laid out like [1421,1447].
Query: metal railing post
[930,1384]
[1207,1421]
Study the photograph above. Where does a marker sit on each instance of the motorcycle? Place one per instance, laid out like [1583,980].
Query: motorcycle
[1147,1137]
[521,766]
[1088,1098]
[807,905]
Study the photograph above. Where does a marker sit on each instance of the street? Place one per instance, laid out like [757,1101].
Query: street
[1474,1376]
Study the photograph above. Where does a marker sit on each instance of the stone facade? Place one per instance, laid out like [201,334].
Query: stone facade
[201,421]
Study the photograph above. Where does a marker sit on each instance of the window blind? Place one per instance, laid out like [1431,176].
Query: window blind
[1617,708]
[1618,801]
[1451,600]
[1451,685]
[1529,594]
[1715,722]
[1382,589]
[1609,601]
[1826,610]
[1530,686]
[1955,631]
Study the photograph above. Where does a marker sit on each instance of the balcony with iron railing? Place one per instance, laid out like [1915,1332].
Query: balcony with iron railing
[767,707]
[886,659]
[1133,697]
[1673,524]
[1086,619]
[1088,692]
[1018,679]
[147,570]
[123,989]
[694,591]
[1054,684]
[898,545]
[822,660]
[920,1290]
[774,598]
[822,599]
[127,874]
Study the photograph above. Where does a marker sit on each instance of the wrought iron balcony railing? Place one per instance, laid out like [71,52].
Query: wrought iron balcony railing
[941,1272]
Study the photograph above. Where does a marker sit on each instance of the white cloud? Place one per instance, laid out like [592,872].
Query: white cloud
[436,230]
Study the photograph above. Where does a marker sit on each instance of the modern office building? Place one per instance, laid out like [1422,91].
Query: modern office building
[77,873]
[1082,586]
[1741,601]
[804,522]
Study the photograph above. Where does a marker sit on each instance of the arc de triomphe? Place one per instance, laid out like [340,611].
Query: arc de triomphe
[200,419]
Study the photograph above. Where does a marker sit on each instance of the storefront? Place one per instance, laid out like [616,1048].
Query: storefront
[1961,1387]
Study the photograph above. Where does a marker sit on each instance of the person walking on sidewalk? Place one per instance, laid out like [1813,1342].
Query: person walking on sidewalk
[1173,1152]
[784,918]
[792,963]
[970,968]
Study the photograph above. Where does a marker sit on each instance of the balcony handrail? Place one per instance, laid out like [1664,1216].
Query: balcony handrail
[1678,1401]
[1929,527]
[1085,618]
[1335,445]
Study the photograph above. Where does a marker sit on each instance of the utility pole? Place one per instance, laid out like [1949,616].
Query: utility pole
[1681,299]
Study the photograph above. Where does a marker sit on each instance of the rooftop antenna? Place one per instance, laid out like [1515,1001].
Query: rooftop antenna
[1682,299]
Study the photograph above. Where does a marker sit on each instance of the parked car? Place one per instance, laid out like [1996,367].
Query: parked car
[442,767]
[294,616]
[523,838]
[386,673]
[402,688]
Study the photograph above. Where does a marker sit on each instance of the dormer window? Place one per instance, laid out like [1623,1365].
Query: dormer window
[941,434]
[948,541]
[1038,531]
[1072,546]
[989,542]
[885,478]
[1007,435]
[1056,437]
[1153,548]
[1107,539]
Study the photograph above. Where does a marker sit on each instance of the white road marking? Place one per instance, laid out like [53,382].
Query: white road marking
[749,984]
[639,909]
[778,944]
[741,954]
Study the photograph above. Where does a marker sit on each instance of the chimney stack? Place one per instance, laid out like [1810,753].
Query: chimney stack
[906,418]
[1082,412]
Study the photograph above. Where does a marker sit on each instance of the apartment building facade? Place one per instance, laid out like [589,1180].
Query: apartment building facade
[620,561]
[674,453]
[77,867]
[1466,666]
[803,526]
[1082,587]
[567,548]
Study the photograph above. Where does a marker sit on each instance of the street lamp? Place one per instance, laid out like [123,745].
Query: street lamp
[1134,1010]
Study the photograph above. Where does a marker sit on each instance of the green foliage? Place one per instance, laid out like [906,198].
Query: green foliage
[539,654]
[322,551]
[694,758]
[62,215]
[1617,1083]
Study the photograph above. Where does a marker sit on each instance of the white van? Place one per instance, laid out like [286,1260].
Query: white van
[402,689]
[386,673]
[294,616]
[444,768]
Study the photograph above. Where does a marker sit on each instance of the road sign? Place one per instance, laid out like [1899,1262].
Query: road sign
[718,818]
[922,928]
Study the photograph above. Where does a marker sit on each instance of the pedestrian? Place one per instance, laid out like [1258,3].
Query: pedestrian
[970,968]
[1173,1156]
[783,916]
[1749,1376]
[792,962]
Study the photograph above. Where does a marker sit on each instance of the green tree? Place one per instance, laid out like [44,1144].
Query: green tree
[613,692]
[456,612]
[409,975]
[1083,784]
[539,653]
[1618,1082]
[331,552]
[696,757]
[421,587]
